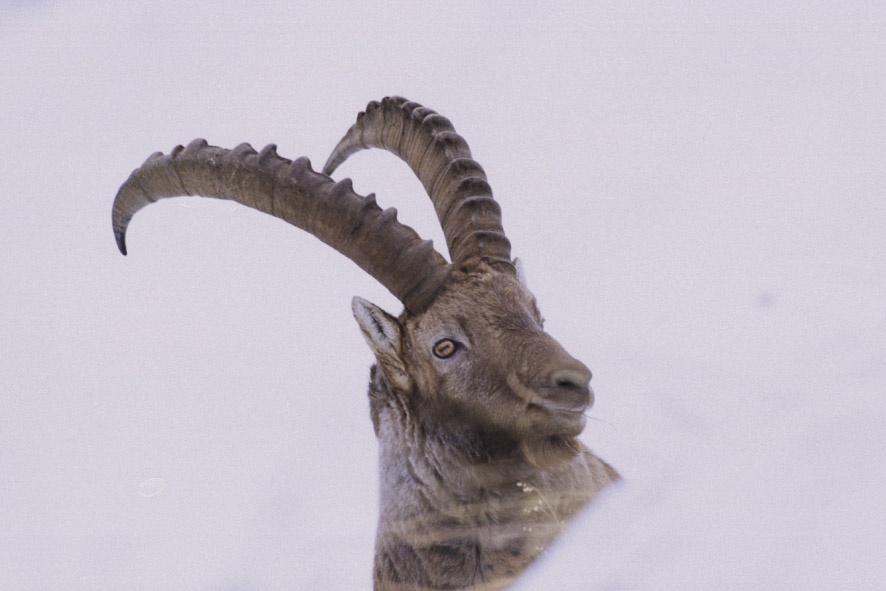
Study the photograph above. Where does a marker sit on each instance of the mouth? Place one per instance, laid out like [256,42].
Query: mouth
[568,421]
[568,417]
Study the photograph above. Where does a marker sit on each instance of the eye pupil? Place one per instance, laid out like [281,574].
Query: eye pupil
[445,348]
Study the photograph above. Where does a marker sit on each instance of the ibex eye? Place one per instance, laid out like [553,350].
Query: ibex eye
[445,348]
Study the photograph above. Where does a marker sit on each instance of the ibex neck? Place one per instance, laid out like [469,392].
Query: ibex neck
[441,452]
[452,495]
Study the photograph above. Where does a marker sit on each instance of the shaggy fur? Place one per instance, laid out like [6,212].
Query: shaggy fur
[475,481]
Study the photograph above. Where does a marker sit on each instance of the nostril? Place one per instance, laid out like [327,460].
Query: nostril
[571,379]
[566,383]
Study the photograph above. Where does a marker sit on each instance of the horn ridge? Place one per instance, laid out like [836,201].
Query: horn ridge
[292,191]
[442,161]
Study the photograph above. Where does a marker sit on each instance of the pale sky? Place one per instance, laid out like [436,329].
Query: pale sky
[697,192]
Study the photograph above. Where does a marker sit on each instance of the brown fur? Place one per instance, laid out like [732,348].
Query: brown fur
[475,482]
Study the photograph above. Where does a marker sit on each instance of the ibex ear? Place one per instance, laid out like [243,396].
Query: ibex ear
[521,272]
[521,276]
[382,333]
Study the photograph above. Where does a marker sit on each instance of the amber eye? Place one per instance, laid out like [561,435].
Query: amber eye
[445,348]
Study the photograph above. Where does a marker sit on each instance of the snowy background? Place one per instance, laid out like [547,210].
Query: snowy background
[698,192]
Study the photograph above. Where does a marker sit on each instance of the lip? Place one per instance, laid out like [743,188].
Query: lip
[558,407]
[559,411]
[533,398]
[569,418]
[568,422]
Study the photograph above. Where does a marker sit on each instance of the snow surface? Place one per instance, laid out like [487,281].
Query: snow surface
[697,191]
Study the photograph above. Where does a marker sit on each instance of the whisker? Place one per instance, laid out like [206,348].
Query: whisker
[598,420]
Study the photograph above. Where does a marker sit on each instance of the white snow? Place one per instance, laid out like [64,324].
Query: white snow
[698,192]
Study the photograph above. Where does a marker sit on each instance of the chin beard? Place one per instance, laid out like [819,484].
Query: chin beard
[550,453]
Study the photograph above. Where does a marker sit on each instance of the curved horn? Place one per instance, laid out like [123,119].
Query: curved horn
[355,226]
[441,158]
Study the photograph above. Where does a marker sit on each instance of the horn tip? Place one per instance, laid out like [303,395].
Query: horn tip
[330,166]
[121,241]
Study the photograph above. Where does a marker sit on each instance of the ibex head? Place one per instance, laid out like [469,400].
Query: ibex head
[470,340]
[478,356]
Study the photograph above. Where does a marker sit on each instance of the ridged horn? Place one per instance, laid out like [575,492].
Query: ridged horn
[356,226]
[456,183]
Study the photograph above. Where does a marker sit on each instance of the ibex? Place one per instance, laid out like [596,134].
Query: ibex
[476,408]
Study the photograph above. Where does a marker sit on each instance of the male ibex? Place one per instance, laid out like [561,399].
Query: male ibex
[475,406]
